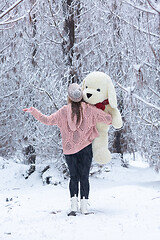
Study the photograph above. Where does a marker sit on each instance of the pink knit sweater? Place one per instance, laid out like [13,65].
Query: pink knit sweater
[75,137]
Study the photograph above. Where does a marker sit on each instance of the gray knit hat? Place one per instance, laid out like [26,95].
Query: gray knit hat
[75,92]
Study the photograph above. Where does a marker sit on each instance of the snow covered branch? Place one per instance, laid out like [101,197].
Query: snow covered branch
[135,27]
[10,8]
[44,91]
[14,20]
[52,14]
[139,7]
[7,21]
[157,94]
[130,92]
[151,4]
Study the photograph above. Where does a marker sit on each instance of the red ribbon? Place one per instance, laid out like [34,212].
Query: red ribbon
[101,105]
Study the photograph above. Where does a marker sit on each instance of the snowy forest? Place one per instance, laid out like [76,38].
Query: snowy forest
[44,46]
[47,44]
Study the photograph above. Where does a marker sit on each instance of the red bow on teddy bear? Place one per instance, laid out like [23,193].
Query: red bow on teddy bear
[101,105]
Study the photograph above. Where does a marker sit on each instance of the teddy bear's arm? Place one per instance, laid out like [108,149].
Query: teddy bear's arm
[116,117]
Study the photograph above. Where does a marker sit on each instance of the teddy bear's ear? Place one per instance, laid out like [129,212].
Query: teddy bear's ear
[83,83]
[112,95]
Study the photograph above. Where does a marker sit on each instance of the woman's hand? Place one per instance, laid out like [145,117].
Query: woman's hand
[28,109]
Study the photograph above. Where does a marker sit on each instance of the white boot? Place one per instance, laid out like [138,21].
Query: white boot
[84,203]
[74,206]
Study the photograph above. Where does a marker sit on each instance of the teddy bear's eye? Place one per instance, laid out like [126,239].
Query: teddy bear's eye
[86,86]
[98,90]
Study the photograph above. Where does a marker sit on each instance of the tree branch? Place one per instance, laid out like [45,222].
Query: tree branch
[50,8]
[43,90]
[139,8]
[137,97]
[10,8]
[16,20]
[153,7]
[137,28]
[154,92]
[13,21]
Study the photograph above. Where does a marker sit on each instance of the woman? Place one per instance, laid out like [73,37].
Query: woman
[77,123]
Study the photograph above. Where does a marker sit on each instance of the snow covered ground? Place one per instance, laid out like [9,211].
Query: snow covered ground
[125,202]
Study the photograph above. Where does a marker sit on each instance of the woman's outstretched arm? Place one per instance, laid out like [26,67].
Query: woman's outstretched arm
[53,119]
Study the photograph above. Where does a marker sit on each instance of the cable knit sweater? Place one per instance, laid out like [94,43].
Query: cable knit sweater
[75,137]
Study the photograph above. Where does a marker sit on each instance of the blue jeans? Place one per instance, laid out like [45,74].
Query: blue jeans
[79,166]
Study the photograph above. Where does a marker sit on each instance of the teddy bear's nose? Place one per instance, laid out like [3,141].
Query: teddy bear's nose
[89,95]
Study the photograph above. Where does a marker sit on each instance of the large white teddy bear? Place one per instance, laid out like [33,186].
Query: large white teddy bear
[98,90]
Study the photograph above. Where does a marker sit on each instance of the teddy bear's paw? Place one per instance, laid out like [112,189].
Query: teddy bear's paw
[117,123]
[102,156]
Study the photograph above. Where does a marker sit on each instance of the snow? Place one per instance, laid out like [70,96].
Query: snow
[125,202]
[137,66]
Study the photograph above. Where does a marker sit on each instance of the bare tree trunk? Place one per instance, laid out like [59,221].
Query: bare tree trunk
[116,39]
[71,13]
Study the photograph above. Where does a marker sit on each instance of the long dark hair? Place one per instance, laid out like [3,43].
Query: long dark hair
[76,109]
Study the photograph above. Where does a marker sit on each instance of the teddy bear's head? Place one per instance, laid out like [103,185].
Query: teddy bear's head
[97,87]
